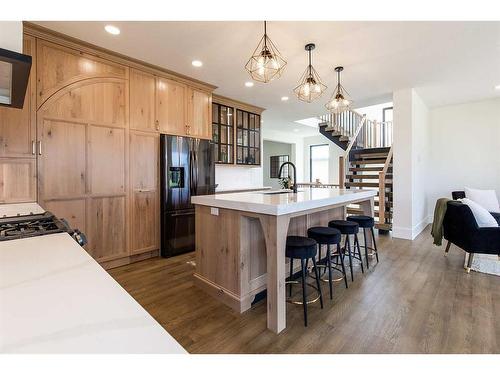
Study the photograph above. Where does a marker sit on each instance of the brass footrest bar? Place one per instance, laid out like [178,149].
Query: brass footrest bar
[325,270]
[290,300]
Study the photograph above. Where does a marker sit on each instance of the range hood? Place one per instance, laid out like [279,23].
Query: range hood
[14,75]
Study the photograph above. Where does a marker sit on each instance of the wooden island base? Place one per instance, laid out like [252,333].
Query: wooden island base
[234,250]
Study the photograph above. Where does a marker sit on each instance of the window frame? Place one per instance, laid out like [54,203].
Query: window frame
[311,160]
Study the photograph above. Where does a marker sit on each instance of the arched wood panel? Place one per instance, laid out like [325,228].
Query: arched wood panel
[59,67]
[83,161]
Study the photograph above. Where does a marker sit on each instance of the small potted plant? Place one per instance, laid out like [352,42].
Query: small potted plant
[285,182]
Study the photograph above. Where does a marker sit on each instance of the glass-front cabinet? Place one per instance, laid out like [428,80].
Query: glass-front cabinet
[223,133]
[236,132]
[247,138]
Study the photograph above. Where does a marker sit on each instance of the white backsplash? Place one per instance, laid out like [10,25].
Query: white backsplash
[235,177]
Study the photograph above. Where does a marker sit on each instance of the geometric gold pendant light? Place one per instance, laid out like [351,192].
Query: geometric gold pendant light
[340,101]
[310,86]
[266,62]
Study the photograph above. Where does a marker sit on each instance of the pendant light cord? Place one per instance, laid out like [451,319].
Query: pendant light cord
[310,64]
[265,34]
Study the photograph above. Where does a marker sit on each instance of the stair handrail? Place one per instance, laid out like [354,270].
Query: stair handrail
[381,188]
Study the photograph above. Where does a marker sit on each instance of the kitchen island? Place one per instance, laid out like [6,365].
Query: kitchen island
[240,241]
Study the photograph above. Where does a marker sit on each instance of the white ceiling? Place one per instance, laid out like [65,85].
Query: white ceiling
[447,62]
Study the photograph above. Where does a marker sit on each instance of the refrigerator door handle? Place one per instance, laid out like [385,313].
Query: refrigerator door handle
[196,171]
[191,172]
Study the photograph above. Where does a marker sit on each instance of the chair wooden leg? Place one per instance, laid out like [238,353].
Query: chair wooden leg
[448,245]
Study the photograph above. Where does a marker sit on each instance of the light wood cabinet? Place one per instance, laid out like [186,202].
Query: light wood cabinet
[144,212]
[83,152]
[17,180]
[171,106]
[199,114]
[142,101]
[183,110]
[86,144]
[18,144]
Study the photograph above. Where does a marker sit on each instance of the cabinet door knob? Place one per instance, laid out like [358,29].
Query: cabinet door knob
[39,147]
[157,123]
[33,148]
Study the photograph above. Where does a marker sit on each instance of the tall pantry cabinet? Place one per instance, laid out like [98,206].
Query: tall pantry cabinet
[86,144]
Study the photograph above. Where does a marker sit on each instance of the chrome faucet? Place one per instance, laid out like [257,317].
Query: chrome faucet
[294,186]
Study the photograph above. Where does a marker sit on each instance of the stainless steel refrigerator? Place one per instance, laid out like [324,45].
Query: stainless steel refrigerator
[187,168]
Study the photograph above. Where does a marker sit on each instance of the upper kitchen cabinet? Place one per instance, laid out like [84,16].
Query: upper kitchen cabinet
[171,106]
[183,110]
[236,131]
[142,101]
[58,66]
[17,126]
[199,114]
[247,138]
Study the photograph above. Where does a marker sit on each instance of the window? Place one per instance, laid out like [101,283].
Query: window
[387,114]
[275,165]
[318,162]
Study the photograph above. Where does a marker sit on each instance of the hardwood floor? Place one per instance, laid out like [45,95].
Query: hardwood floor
[414,301]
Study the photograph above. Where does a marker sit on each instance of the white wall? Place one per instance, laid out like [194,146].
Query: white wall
[464,149]
[11,35]
[273,148]
[410,163]
[334,153]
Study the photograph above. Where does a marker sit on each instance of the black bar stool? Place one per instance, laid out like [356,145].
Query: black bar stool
[303,248]
[348,228]
[366,222]
[328,236]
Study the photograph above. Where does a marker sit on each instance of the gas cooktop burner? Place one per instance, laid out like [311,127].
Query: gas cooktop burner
[12,228]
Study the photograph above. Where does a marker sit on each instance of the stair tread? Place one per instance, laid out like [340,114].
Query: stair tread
[384,226]
[365,177]
[366,184]
[367,161]
[375,155]
[367,169]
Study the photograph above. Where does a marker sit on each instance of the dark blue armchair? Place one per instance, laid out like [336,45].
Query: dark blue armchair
[461,229]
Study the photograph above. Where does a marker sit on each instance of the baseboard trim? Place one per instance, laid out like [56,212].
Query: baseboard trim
[407,233]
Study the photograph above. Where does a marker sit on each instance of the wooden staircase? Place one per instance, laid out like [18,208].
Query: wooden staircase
[367,162]
[371,169]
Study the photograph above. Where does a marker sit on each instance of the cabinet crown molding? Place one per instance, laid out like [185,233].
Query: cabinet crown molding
[41,32]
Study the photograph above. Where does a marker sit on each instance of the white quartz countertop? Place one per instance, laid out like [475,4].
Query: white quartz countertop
[54,298]
[281,204]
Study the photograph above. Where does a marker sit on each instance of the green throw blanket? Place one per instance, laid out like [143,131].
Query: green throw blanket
[437,224]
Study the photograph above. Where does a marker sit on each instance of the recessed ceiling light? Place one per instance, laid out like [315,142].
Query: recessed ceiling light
[196,63]
[497,87]
[112,29]
[296,130]
[249,84]
[284,98]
